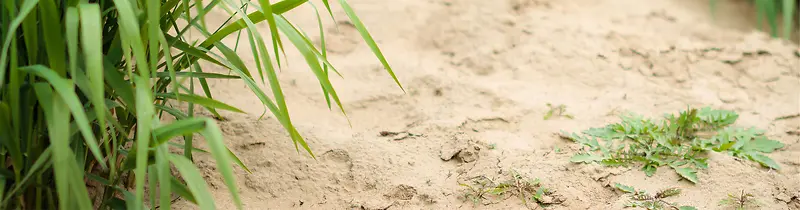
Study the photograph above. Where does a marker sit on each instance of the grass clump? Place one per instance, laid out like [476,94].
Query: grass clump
[481,189]
[742,201]
[642,199]
[771,11]
[84,86]
[679,142]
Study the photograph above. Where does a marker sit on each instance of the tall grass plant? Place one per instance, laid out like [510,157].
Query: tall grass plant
[84,85]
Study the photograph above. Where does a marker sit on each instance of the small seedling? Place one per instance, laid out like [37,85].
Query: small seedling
[492,146]
[559,110]
[642,199]
[742,201]
[483,189]
[680,142]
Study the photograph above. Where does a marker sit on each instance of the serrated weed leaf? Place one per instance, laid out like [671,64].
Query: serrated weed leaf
[689,174]
[679,141]
[763,160]
[762,144]
[585,158]
[624,188]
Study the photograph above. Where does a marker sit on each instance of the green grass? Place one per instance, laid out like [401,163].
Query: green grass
[482,189]
[680,142]
[740,201]
[770,12]
[84,86]
[643,199]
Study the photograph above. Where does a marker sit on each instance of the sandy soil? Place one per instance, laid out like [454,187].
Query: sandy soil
[478,76]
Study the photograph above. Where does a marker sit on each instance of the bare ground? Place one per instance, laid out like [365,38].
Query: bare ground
[478,76]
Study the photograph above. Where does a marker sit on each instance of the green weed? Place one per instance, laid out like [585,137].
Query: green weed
[742,201]
[84,86]
[559,110]
[679,142]
[770,11]
[529,191]
[642,199]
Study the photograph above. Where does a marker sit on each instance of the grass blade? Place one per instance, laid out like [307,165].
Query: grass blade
[27,7]
[368,38]
[64,89]
[207,102]
[177,128]
[197,186]
[93,51]
[788,19]
[196,75]
[145,115]
[222,157]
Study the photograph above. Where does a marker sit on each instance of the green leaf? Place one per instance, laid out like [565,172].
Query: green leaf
[197,75]
[649,169]
[762,144]
[197,186]
[687,173]
[27,7]
[368,39]
[763,160]
[64,88]
[177,128]
[624,188]
[687,208]
[222,156]
[585,158]
[181,190]
[192,98]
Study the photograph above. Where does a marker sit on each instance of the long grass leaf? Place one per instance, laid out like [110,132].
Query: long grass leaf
[12,146]
[255,17]
[222,157]
[181,190]
[197,75]
[311,58]
[93,51]
[24,10]
[164,177]
[181,127]
[30,32]
[145,116]
[197,186]
[64,89]
[789,7]
[323,49]
[207,102]
[72,23]
[368,38]
[43,161]
[59,142]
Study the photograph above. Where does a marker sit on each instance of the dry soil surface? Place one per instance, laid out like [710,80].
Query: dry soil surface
[478,75]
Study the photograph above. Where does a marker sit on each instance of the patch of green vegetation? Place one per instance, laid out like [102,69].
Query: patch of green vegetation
[740,202]
[680,142]
[559,110]
[481,189]
[84,86]
[771,11]
[642,199]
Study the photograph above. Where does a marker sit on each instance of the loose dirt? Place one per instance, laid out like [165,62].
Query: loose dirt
[478,76]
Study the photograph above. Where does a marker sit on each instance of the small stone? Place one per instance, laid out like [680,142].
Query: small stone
[782,196]
[468,155]
[449,151]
